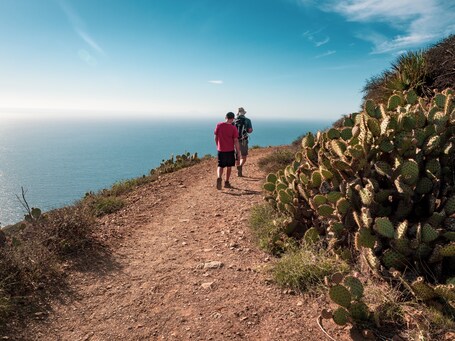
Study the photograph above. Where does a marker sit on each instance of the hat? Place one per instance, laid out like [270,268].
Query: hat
[230,115]
[241,110]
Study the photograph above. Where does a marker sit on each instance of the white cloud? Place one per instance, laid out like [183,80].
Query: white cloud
[326,54]
[79,27]
[216,82]
[420,21]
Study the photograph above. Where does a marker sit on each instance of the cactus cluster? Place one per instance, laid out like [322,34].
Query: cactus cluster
[175,163]
[382,184]
[347,293]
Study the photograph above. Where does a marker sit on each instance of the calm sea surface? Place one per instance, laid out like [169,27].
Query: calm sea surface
[57,162]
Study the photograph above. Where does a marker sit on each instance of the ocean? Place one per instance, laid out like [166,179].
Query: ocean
[58,161]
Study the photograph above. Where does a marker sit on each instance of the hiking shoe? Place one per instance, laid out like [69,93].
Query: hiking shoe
[227,184]
[239,170]
[218,183]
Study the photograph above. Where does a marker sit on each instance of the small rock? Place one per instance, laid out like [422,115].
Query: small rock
[207,285]
[213,265]
[299,303]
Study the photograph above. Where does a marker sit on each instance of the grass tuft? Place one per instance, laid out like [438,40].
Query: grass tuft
[304,269]
[101,205]
[269,236]
[277,160]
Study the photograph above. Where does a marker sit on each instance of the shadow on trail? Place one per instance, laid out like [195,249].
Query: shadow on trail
[35,308]
[242,192]
[98,260]
[252,178]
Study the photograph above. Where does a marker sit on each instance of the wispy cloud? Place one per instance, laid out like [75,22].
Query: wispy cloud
[322,42]
[316,37]
[89,40]
[326,54]
[420,21]
[79,26]
[216,82]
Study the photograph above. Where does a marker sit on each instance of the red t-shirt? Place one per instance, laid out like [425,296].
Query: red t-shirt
[226,134]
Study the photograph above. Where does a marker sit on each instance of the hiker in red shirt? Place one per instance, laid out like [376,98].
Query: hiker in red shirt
[227,142]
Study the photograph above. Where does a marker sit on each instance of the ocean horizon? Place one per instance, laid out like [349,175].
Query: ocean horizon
[58,161]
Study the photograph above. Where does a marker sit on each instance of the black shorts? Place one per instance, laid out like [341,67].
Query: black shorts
[226,159]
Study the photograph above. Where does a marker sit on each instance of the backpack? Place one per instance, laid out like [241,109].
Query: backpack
[241,127]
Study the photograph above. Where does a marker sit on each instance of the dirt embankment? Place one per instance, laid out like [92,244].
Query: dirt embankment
[185,268]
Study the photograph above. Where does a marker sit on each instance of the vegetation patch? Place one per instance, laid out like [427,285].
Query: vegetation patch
[305,269]
[268,232]
[100,205]
[277,160]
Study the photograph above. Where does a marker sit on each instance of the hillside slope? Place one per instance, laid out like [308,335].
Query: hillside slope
[186,268]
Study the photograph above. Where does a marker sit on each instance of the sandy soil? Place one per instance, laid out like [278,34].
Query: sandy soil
[182,266]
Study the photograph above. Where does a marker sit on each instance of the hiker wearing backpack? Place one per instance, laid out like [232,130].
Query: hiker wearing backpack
[244,128]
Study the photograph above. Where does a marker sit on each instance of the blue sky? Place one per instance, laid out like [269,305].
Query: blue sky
[291,58]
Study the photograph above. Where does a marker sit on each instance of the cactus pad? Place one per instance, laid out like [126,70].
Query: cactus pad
[384,227]
[355,287]
[448,250]
[340,295]
[449,207]
[325,210]
[364,238]
[359,311]
[311,236]
[271,178]
[429,233]
[341,316]
[410,171]
[393,259]
[268,186]
[422,290]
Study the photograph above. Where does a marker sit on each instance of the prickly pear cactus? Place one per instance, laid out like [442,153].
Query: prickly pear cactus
[383,184]
[347,293]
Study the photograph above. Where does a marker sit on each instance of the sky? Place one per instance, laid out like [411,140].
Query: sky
[302,59]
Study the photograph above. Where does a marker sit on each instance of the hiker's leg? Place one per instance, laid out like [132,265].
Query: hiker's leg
[228,173]
[243,160]
[219,172]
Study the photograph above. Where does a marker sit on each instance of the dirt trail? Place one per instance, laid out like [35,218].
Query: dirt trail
[154,285]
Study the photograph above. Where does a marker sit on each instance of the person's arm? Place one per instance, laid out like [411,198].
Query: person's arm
[216,140]
[249,128]
[237,146]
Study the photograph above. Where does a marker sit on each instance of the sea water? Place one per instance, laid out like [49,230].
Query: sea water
[57,161]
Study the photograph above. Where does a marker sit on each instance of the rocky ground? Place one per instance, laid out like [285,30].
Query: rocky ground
[182,265]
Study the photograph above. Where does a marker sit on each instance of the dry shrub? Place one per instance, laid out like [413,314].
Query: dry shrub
[67,230]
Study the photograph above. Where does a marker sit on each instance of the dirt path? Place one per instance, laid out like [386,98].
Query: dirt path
[158,284]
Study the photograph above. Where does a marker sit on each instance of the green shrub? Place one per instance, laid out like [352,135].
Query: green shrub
[304,269]
[105,205]
[269,237]
[126,186]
